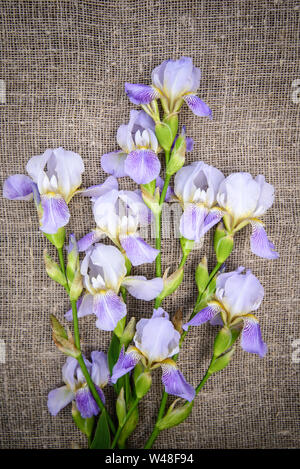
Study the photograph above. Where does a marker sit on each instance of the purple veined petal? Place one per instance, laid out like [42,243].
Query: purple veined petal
[216,320]
[100,371]
[192,222]
[189,144]
[211,219]
[84,307]
[197,106]
[126,362]
[84,243]
[18,187]
[140,94]
[58,399]
[55,214]
[109,309]
[143,289]
[174,381]
[251,340]
[142,166]
[203,316]
[85,402]
[260,244]
[109,184]
[114,163]
[138,251]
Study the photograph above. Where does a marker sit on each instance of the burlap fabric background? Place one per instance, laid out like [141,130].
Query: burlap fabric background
[65,64]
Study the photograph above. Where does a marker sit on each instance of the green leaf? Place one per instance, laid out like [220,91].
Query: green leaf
[102,434]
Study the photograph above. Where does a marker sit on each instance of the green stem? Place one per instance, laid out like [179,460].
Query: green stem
[158,244]
[183,260]
[118,433]
[61,260]
[163,403]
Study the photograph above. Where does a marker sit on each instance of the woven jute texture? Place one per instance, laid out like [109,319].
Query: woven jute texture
[64,65]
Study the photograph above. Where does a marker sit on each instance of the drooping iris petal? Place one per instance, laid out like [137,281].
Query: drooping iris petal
[114,163]
[260,244]
[251,340]
[206,314]
[126,362]
[18,187]
[109,184]
[58,399]
[175,382]
[143,289]
[211,219]
[100,371]
[86,403]
[197,106]
[192,222]
[84,243]
[109,309]
[142,166]
[140,94]
[138,251]
[55,214]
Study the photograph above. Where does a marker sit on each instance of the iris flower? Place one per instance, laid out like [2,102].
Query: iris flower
[245,200]
[104,272]
[173,82]
[54,178]
[156,341]
[76,388]
[237,296]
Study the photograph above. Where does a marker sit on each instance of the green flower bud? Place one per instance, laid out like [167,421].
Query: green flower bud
[201,275]
[142,384]
[175,416]
[62,339]
[166,131]
[221,362]
[76,286]
[128,333]
[152,201]
[171,283]
[119,329]
[223,243]
[121,408]
[172,121]
[85,425]
[58,238]
[177,157]
[186,245]
[129,426]
[222,341]
[53,270]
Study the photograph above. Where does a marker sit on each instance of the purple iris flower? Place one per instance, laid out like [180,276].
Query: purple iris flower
[104,272]
[54,178]
[196,187]
[156,341]
[139,147]
[237,295]
[118,215]
[173,82]
[76,388]
[245,199]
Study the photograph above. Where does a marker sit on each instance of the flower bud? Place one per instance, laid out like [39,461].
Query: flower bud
[177,157]
[85,425]
[221,362]
[152,201]
[121,408]
[73,259]
[164,135]
[76,286]
[201,275]
[129,427]
[171,283]
[222,341]
[142,384]
[223,243]
[186,245]
[177,321]
[128,333]
[119,329]
[175,416]
[53,270]
[58,238]
[63,340]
